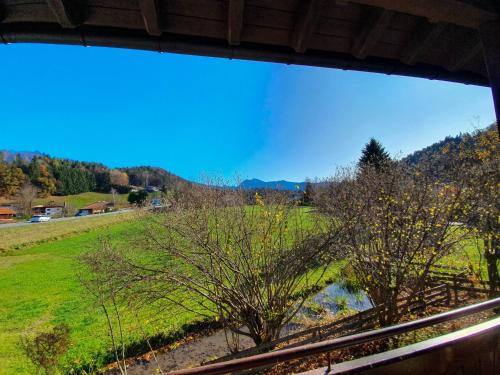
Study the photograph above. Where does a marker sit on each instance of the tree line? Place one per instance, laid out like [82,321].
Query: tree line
[54,176]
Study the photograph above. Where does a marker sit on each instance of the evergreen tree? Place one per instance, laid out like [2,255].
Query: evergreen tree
[308,194]
[373,154]
[102,181]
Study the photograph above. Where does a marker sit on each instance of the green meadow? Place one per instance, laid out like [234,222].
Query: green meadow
[84,199]
[79,200]
[27,235]
[40,287]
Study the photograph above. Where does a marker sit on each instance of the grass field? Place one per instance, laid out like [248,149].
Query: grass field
[469,256]
[17,237]
[79,200]
[40,288]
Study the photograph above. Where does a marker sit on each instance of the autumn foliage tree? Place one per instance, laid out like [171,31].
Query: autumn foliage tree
[11,178]
[118,177]
[473,161]
[479,168]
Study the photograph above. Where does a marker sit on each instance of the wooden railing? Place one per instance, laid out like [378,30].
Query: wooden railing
[303,351]
[473,350]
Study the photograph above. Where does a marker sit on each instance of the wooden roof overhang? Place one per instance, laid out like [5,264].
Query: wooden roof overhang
[435,39]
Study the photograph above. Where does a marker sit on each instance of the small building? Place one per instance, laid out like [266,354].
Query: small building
[48,210]
[151,189]
[7,214]
[95,208]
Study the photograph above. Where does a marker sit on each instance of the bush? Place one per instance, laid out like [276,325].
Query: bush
[46,349]
[121,189]
[137,197]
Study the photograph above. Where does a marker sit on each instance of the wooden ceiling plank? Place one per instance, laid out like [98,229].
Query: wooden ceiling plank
[465,58]
[372,33]
[68,13]
[305,25]
[150,15]
[448,11]
[426,34]
[235,21]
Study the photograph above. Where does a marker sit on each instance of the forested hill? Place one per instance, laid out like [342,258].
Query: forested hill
[153,176]
[54,176]
[441,155]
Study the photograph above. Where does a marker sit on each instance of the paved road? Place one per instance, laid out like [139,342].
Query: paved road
[24,223]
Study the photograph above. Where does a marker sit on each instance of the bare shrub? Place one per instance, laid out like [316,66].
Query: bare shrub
[398,224]
[25,197]
[104,288]
[250,266]
[45,349]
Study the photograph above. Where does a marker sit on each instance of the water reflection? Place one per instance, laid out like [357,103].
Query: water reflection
[337,297]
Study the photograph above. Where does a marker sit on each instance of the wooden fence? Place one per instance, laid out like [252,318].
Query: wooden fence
[363,320]
[447,282]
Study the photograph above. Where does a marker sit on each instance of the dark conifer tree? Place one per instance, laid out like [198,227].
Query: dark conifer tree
[373,154]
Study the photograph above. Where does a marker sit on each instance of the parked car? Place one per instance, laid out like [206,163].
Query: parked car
[156,203]
[39,218]
[82,213]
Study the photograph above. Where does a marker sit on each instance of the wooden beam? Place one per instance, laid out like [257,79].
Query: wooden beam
[423,38]
[465,58]
[491,48]
[68,13]
[371,33]
[448,11]
[3,12]
[150,15]
[235,21]
[308,15]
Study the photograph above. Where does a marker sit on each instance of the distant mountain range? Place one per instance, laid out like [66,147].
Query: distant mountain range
[255,183]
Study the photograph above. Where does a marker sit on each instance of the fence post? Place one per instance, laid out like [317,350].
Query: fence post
[455,288]
[448,295]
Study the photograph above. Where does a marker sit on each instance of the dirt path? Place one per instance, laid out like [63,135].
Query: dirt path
[191,354]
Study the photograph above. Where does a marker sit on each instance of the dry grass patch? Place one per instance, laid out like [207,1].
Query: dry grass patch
[17,237]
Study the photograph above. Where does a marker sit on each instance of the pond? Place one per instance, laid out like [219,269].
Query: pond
[337,297]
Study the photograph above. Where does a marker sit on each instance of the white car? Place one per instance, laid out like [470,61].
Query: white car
[39,219]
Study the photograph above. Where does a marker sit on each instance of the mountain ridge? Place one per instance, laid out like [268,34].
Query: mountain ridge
[256,183]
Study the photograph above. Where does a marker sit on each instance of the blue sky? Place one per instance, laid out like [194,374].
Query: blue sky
[197,115]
